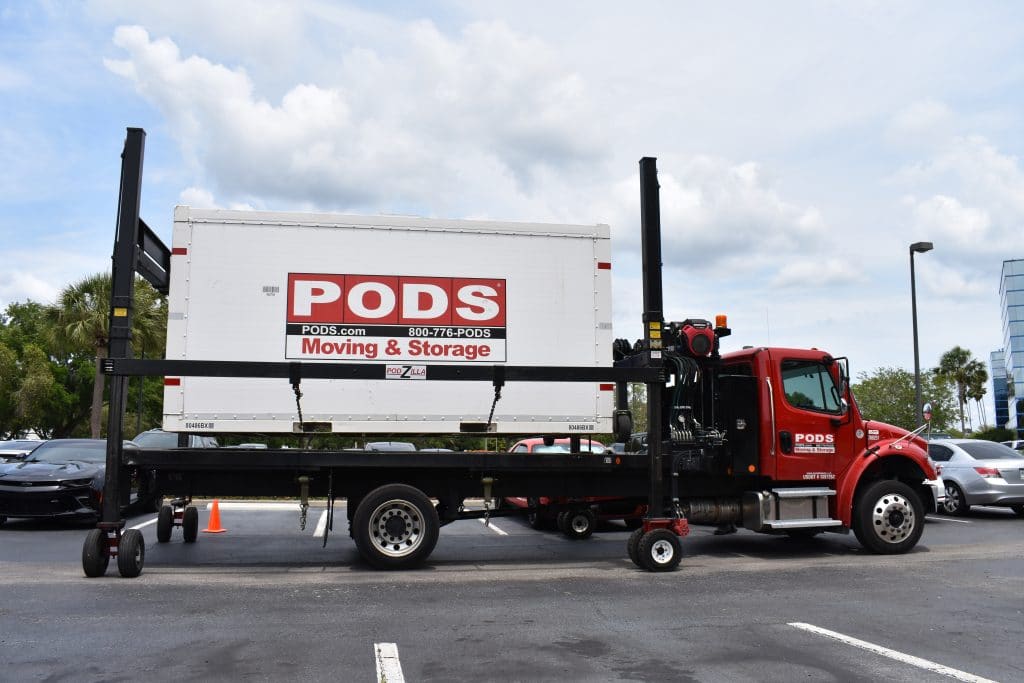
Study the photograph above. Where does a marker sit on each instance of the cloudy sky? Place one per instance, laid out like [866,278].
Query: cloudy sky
[801,146]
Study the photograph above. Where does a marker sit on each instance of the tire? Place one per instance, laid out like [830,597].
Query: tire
[536,520]
[131,554]
[95,555]
[633,546]
[578,524]
[190,524]
[1017,509]
[164,524]
[396,527]
[888,517]
[956,501]
[659,551]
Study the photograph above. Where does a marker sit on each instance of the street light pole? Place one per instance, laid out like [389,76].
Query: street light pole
[920,248]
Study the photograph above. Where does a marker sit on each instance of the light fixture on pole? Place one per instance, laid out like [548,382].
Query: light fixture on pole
[920,248]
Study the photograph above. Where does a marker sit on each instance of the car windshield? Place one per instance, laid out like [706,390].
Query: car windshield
[83,451]
[157,440]
[989,450]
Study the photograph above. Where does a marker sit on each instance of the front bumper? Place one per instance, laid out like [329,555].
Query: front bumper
[54,502]
[938,489]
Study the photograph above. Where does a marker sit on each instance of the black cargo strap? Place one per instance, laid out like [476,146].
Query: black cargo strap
[295,377]
[499,382]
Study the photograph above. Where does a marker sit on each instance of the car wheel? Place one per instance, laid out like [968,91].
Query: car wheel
[131,553]
[164,524]
[190,524]
[578,524]
[956,501]
[659,551]
[1018,509]
[396,527]
[888,517]
[95,557]
[633,546]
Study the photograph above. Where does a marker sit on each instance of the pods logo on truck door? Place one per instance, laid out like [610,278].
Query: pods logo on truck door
[395,318]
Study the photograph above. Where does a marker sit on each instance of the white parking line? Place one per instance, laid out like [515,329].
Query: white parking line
[389,669]
[493,528]
[932,518]
[321,525]
[893,654]
[145,524]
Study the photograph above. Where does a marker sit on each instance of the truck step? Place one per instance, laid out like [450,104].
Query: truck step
[803,492]
[810,523]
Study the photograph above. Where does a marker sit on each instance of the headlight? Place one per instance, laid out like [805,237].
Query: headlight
[76,483]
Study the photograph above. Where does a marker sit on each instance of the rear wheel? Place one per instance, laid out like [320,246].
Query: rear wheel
[164,524]
[396,527]
[659,551]
[190,524]
[578,524]
[95,555]
[956,501]
[888,517]
[1018,509]
[131,554]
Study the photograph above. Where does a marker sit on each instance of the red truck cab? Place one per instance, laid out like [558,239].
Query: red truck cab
[877,478]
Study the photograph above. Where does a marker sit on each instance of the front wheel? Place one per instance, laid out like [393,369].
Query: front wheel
[396,527]
[888,517]
[95,553]
[659,551]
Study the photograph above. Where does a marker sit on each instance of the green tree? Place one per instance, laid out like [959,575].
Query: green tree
[80,326]
[887,395]
[965,372]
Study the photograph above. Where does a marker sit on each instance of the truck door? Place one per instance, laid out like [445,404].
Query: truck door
[809,424]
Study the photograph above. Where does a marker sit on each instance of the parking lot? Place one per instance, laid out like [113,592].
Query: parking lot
[265,601]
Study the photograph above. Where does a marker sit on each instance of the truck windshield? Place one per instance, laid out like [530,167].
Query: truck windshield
[808,385]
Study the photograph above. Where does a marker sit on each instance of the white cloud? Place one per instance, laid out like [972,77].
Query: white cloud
[817,274]
[387,127]
[18,285]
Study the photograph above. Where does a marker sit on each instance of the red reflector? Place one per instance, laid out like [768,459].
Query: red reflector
[607,387]
[179,251]
[172,381]
[988,472]
[604,265]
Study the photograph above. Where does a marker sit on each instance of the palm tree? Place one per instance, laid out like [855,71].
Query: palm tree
[81,324]
[966,372]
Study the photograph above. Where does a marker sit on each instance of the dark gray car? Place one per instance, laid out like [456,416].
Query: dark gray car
[978,472]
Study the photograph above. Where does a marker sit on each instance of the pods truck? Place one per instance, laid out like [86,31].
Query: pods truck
[304,324]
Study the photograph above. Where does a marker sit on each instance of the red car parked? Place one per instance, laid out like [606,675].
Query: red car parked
[575,517]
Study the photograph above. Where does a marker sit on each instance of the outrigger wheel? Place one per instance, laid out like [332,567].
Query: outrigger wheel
[659,550]
[95,553]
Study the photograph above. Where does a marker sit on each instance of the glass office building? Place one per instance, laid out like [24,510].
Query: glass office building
[997,368]
[1011,297]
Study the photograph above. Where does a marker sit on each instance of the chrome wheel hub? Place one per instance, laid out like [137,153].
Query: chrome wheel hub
[396,528]
[893,518]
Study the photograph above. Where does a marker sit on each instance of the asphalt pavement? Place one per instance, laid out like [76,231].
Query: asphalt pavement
[265,601]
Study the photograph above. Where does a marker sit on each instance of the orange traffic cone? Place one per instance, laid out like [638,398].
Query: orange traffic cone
[215,527]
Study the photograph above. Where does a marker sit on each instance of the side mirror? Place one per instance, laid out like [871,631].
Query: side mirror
[926,411]
[844,405]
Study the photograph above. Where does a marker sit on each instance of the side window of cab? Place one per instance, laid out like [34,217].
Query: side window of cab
[808,385]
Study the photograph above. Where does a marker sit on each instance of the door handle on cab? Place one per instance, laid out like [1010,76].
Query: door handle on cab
[786,442]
